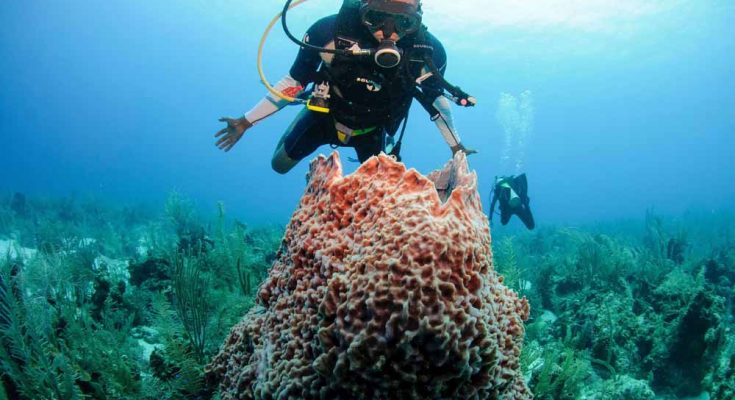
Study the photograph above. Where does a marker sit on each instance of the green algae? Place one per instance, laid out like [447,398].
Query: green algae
[125,302]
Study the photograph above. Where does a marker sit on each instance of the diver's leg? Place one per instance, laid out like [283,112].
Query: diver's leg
[505,215]
[281,162]
[305,134]
[520,185]
[503,200]
[524,213]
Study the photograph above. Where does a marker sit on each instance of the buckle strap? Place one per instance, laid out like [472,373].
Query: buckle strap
[345,133]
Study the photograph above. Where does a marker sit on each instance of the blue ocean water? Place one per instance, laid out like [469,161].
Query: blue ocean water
[611,107]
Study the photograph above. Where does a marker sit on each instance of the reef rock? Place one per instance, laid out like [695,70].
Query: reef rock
[383,288]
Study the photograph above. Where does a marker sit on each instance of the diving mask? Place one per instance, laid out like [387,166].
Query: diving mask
[391,16]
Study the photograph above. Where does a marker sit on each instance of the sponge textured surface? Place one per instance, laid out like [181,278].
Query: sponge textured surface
[383,288]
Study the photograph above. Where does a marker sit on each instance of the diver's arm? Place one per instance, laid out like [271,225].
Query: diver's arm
[445,123]
[492,204]
[228,136]
[440,108]
[271,104]
[303,71]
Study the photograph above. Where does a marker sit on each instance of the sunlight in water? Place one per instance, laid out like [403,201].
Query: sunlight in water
[575,14]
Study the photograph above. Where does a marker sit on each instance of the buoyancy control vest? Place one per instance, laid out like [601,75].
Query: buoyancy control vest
[363,94]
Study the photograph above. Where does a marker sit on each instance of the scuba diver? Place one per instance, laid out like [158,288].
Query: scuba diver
[366,64]
[512,193]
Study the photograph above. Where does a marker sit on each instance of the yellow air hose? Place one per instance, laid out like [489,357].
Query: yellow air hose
[260,58]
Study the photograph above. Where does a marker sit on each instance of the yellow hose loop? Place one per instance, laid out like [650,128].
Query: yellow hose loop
[260,57]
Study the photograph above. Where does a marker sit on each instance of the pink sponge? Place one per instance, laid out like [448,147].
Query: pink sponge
[383,288]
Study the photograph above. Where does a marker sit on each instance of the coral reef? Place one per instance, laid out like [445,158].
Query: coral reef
[85,313]
[154,273]
[721,381]
[107,301]
[632,313]
[621,387]
[383,288]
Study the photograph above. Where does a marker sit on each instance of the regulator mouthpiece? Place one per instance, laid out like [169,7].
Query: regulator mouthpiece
[388,55]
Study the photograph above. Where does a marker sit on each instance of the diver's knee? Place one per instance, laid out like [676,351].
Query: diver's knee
[281,162]
[280,168]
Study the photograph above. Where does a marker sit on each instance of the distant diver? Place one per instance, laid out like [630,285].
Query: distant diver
[511,192]
[366,64]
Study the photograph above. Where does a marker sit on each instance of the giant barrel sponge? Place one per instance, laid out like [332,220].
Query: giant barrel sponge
[383,288]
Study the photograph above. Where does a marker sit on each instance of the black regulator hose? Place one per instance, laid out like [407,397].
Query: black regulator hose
[307,45]
[460,97]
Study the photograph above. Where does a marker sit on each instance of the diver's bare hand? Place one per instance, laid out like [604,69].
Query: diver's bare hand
[460,147]
[229,136]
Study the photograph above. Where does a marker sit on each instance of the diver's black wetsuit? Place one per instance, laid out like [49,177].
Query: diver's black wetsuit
[502,194]
[362,94]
